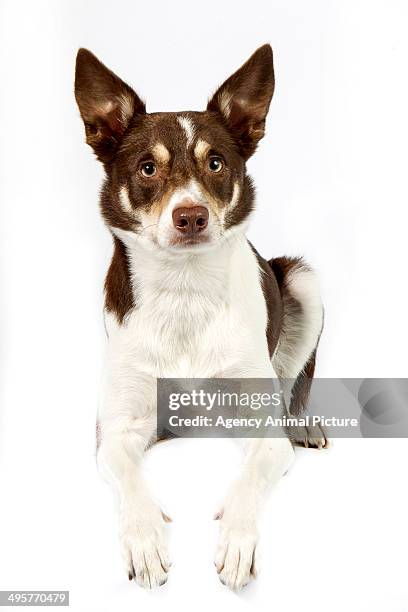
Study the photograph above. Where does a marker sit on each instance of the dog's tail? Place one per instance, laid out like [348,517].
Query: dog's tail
[301,327]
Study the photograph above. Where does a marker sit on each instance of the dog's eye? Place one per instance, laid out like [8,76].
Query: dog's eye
[148,169]
[215,163]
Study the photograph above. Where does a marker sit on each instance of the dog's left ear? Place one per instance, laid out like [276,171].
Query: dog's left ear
[243,100]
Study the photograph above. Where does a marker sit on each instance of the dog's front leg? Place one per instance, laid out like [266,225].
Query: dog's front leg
[265,462]
[127,422]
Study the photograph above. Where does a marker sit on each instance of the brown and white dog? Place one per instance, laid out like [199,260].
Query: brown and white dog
[187,296]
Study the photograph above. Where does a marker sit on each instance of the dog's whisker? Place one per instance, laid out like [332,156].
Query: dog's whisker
[145,227]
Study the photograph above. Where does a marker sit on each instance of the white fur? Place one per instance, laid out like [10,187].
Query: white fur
[188,128]
[236,555]
[206,308]
[225,101]
[301,332]
[126,104]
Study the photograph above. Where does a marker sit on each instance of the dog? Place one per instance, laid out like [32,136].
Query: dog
[187,296]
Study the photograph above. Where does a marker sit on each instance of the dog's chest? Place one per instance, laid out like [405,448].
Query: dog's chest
[199,318]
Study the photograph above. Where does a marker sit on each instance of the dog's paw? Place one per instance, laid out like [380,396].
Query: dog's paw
[235,558]
[311,436]
[144,546]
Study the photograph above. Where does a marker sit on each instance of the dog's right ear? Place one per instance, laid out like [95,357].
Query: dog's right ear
[105,102]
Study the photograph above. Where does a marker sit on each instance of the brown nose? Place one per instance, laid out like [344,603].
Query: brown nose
[190,219]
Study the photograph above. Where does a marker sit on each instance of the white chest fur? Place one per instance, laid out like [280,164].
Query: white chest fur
[196,315]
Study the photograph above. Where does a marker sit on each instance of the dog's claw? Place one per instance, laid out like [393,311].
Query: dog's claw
[309,437]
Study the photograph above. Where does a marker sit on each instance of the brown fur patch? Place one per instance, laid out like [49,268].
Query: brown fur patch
[302,386]
[273,303]
[282,266]
[118,291]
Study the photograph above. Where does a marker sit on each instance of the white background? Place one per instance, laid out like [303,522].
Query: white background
[332,185]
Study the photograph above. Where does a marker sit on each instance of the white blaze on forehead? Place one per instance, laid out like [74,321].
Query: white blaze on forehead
[161,153]
[188,128]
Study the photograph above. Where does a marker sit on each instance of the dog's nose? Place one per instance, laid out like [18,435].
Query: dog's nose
[190,219]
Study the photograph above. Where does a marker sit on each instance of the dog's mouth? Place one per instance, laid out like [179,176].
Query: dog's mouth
[189,240]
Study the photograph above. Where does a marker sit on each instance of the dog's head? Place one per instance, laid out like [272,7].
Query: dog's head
[175,180]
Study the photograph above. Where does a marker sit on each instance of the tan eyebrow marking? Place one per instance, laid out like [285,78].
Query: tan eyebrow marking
[161,153]
[201,149]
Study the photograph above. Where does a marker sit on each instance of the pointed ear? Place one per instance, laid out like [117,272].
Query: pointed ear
[243,100]
[105,102]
